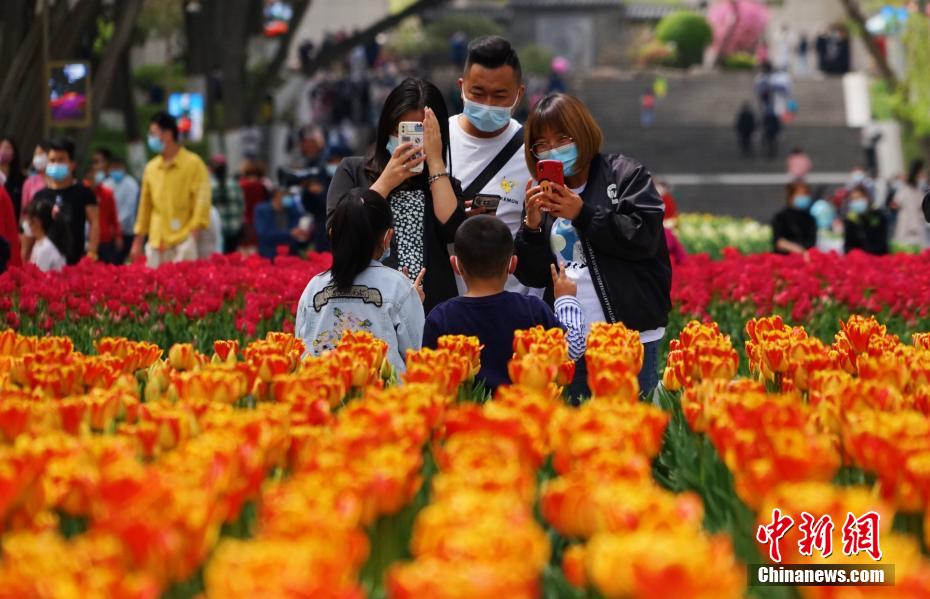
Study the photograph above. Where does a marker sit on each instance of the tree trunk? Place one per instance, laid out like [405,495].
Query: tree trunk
[268,77]
[203,40]
[115,53]
[22,96]
[854,11]
[17,17]
[234,40]
[126,99]
[326,57]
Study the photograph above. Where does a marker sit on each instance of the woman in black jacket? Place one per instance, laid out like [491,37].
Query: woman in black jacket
[864,227]
[425,206]
[604,224]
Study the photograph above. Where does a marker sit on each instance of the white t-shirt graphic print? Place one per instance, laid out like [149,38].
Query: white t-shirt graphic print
[470,155]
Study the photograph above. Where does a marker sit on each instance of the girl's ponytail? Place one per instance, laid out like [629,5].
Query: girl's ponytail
[358,225]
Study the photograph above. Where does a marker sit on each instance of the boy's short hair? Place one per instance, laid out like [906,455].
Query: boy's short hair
[484,246]
[62,144]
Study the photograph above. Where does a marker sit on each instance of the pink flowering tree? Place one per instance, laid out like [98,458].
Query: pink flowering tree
[738,25]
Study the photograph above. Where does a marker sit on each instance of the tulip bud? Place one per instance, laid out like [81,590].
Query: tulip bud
[182,356]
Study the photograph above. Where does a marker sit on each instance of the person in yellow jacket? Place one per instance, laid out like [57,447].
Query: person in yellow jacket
[174,206]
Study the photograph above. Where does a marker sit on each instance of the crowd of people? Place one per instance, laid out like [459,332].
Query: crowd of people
[854,211]
[416,257]
[53,214]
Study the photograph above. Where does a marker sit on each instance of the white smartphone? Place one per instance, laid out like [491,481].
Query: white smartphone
[411,132]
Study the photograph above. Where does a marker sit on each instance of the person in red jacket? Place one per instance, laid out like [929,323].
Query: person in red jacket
[255,190]
[111,234]
[9,230]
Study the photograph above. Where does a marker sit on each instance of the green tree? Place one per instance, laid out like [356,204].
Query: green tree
[691,34]
[22,90]
[910,93]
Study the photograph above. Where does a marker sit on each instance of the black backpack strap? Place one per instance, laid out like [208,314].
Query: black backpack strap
[494,167]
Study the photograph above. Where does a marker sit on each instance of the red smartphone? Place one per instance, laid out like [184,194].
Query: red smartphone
[551,171]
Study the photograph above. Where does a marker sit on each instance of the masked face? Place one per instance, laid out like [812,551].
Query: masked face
[567,155]
[391,145]
[802,202]
[386,247]
[57,171]
[39,162]
[155,144]
[490,95]
[858,205]
[485,118]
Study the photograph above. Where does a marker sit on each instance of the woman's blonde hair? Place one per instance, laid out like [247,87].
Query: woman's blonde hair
[561,113]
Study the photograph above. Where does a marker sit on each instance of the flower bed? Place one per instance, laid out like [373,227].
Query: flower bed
[252,472]
[255,473]
[243,299]
[710,234]
[833,433]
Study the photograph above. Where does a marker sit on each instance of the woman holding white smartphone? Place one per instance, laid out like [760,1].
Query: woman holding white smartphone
[414,181]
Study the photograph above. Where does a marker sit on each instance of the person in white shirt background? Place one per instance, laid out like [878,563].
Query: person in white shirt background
[492,88]
[50,235]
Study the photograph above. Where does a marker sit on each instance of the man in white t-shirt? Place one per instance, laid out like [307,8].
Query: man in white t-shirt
[492,87]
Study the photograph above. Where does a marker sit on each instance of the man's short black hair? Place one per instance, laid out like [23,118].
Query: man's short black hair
[493,52]
[63,144]
[166,122]
[484,246]
[105,152]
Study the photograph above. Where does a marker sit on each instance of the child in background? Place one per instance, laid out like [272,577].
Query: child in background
[50,234]
[484,257]
[647,115]
[358,292]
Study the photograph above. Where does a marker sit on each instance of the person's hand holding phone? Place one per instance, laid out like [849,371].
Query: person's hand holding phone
[472,210]
[562,202]
[532,204]
[562,285]
[397,171]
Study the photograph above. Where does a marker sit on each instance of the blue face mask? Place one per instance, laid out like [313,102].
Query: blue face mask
[392,144]
[858,206]
[331,169]
[156,145]
[567,155]
[100,177]
[386,254]
[487,119]
[289,201]
[117,175]
[57,172]
[802,202]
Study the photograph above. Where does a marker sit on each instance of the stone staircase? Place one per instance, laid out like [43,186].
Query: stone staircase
[694,135]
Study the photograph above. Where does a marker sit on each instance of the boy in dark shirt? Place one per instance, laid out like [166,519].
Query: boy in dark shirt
[484,258]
